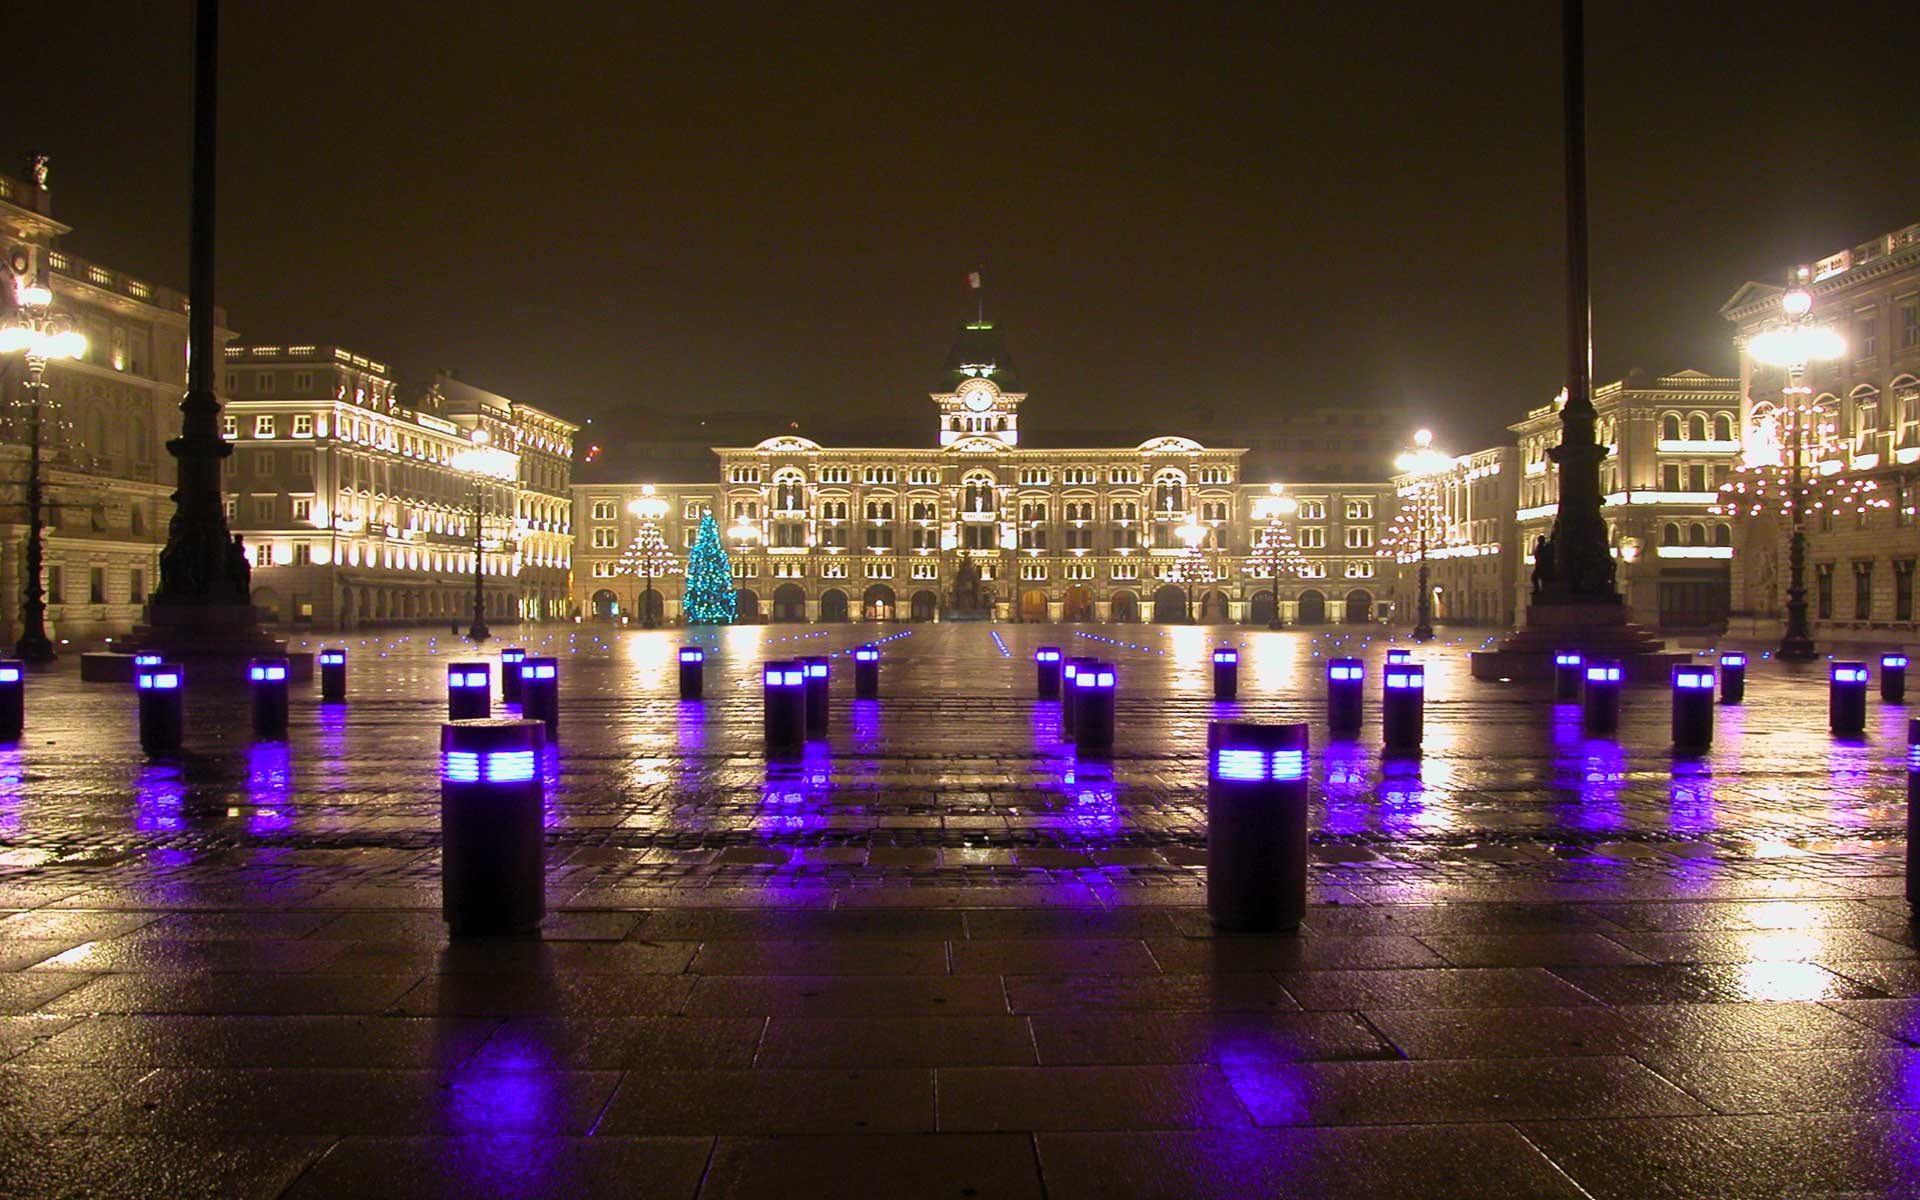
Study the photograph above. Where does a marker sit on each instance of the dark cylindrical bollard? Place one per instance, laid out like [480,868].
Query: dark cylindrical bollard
[1346,694]
[1093,707]
[1403,708]
[540,692]
[1692,707]
[13,700]
[1226,673]
[1256,825]
[1046,673]
[818,693]
[268,678]
[693,672]
[1070,697]
[1893,678]
[866,673]
[492,844]
[333,675]
[469,692]
[1847,697]
[1568,669]
[1733,678]
[1600,702]
[785,705]
[161,718]
[511,659]
[1913,812]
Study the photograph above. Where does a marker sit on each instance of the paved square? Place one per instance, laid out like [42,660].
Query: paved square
[942,955]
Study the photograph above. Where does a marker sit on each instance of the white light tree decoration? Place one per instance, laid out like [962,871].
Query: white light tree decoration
[1195,567]
[1274,553]
[1419,522]
[647,557]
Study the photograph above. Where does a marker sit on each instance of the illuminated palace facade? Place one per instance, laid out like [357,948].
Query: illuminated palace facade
[1863,434]
[980,526]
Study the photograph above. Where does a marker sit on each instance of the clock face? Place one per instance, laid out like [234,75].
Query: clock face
[979,401]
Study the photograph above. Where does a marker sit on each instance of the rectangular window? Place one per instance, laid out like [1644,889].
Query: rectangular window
[744,475]
[303,381]
[833,569]
[1313,510]
[879,570]
[1866,335]
[836,475]
[229,428]
[302,464]
[1697,478]
[925,569]
[1670,477]
[603,510]
[1360,537]
[1125,570]
[263,554]
[1123,475]
[1359,509]
[691,510]
[303,510]
[263,426]
[878,475]
[1909,323]
[1903,589]
[603,539]
[1034,476]
[137,585]
[924,476]
[56,586]
[1313,537]
[233,508]
[1863,591]
[303,425]
[96,585]
[263,510]
[1823,592]
[302,554]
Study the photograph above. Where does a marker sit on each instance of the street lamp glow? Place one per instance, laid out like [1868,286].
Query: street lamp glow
[1191,533]
[1796,346]
[1798,302]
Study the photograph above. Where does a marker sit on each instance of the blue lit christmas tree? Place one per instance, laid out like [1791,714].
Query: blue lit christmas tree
[709,598]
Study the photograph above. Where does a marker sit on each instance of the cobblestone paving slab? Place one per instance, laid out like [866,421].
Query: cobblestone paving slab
[942,954]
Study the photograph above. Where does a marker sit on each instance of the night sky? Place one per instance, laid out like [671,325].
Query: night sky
[616,209]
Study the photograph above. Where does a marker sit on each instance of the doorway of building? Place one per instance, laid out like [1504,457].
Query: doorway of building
[1076,604]
[789,603]
[1033,605]
[1170,605]
[1313,608]
[833,605]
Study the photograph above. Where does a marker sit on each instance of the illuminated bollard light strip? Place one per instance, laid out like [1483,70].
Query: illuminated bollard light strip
[511,659]
[1046,673]
[492,842]
[866,673]
[146,658]
[162,722]
[819,697]
[1913,808]
[1692,707]
[13,699]
[1568,668]
[1256,825]
[1893,678]
[1403,708]
[267,677]
[540,692]
[784,705]
[1346,694]
[469,691]
[1733,678]
[1847,698]
[1226,673]
[693,672]
[333,675]
[1600,702]
[1397,655]
[1093,693]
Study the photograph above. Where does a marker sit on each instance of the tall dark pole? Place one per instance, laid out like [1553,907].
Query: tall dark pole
[1582,566]
[1796,644]
[479,632]
[201,566]
[34,647]
[1423,602]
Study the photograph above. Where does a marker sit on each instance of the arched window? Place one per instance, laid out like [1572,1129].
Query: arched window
[1723,535]
[1696,534]
[1670,534]
[1670,427]
[1169,492]
[1697,427]
[1723,427]
[977,494]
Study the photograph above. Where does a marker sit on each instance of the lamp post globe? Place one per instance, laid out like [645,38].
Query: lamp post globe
[40,336]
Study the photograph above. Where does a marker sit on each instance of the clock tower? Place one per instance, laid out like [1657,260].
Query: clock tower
[978,393]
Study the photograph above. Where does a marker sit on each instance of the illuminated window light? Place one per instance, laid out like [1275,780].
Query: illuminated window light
[1254,765]
[493,766]
[1346,674]
[1599,674]
[1893,660]
[467,679]
[693,656]
[866,655]
[267,674]
[9,674]
[146,660]
[1046,656]
[1567,660]
[541,671]
[333,658]
[1694,679]
[513,656]
[1849,674]
[1399,656]
[163,681]
[1226,656]
[1733,660]
[816,670]
[1913,758]
[1406,679]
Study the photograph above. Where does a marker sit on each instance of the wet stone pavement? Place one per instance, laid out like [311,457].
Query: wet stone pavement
[940,955]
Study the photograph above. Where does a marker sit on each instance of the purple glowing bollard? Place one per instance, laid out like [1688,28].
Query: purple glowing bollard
[866,673]
[1692,707]
[1403,708]
[511,659]
[1600,701]
[267,678]
[1893,678]
[693,672]
[1256,825]
[1226,673]
[1847,698]
[540,692]
[333,675]
[1733,678]
[493,846]
[818,692]
[1093,687]
[1046,673]
[469,691]
[1346,694]
[162,718]
[1567,673]
[784,705]
[13,699]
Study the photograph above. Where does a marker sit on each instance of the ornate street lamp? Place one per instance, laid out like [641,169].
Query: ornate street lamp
[1192,566]
[1423,463]
[1792,345]
[41,335]
[483,462]
[648,552]
[1275,550]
